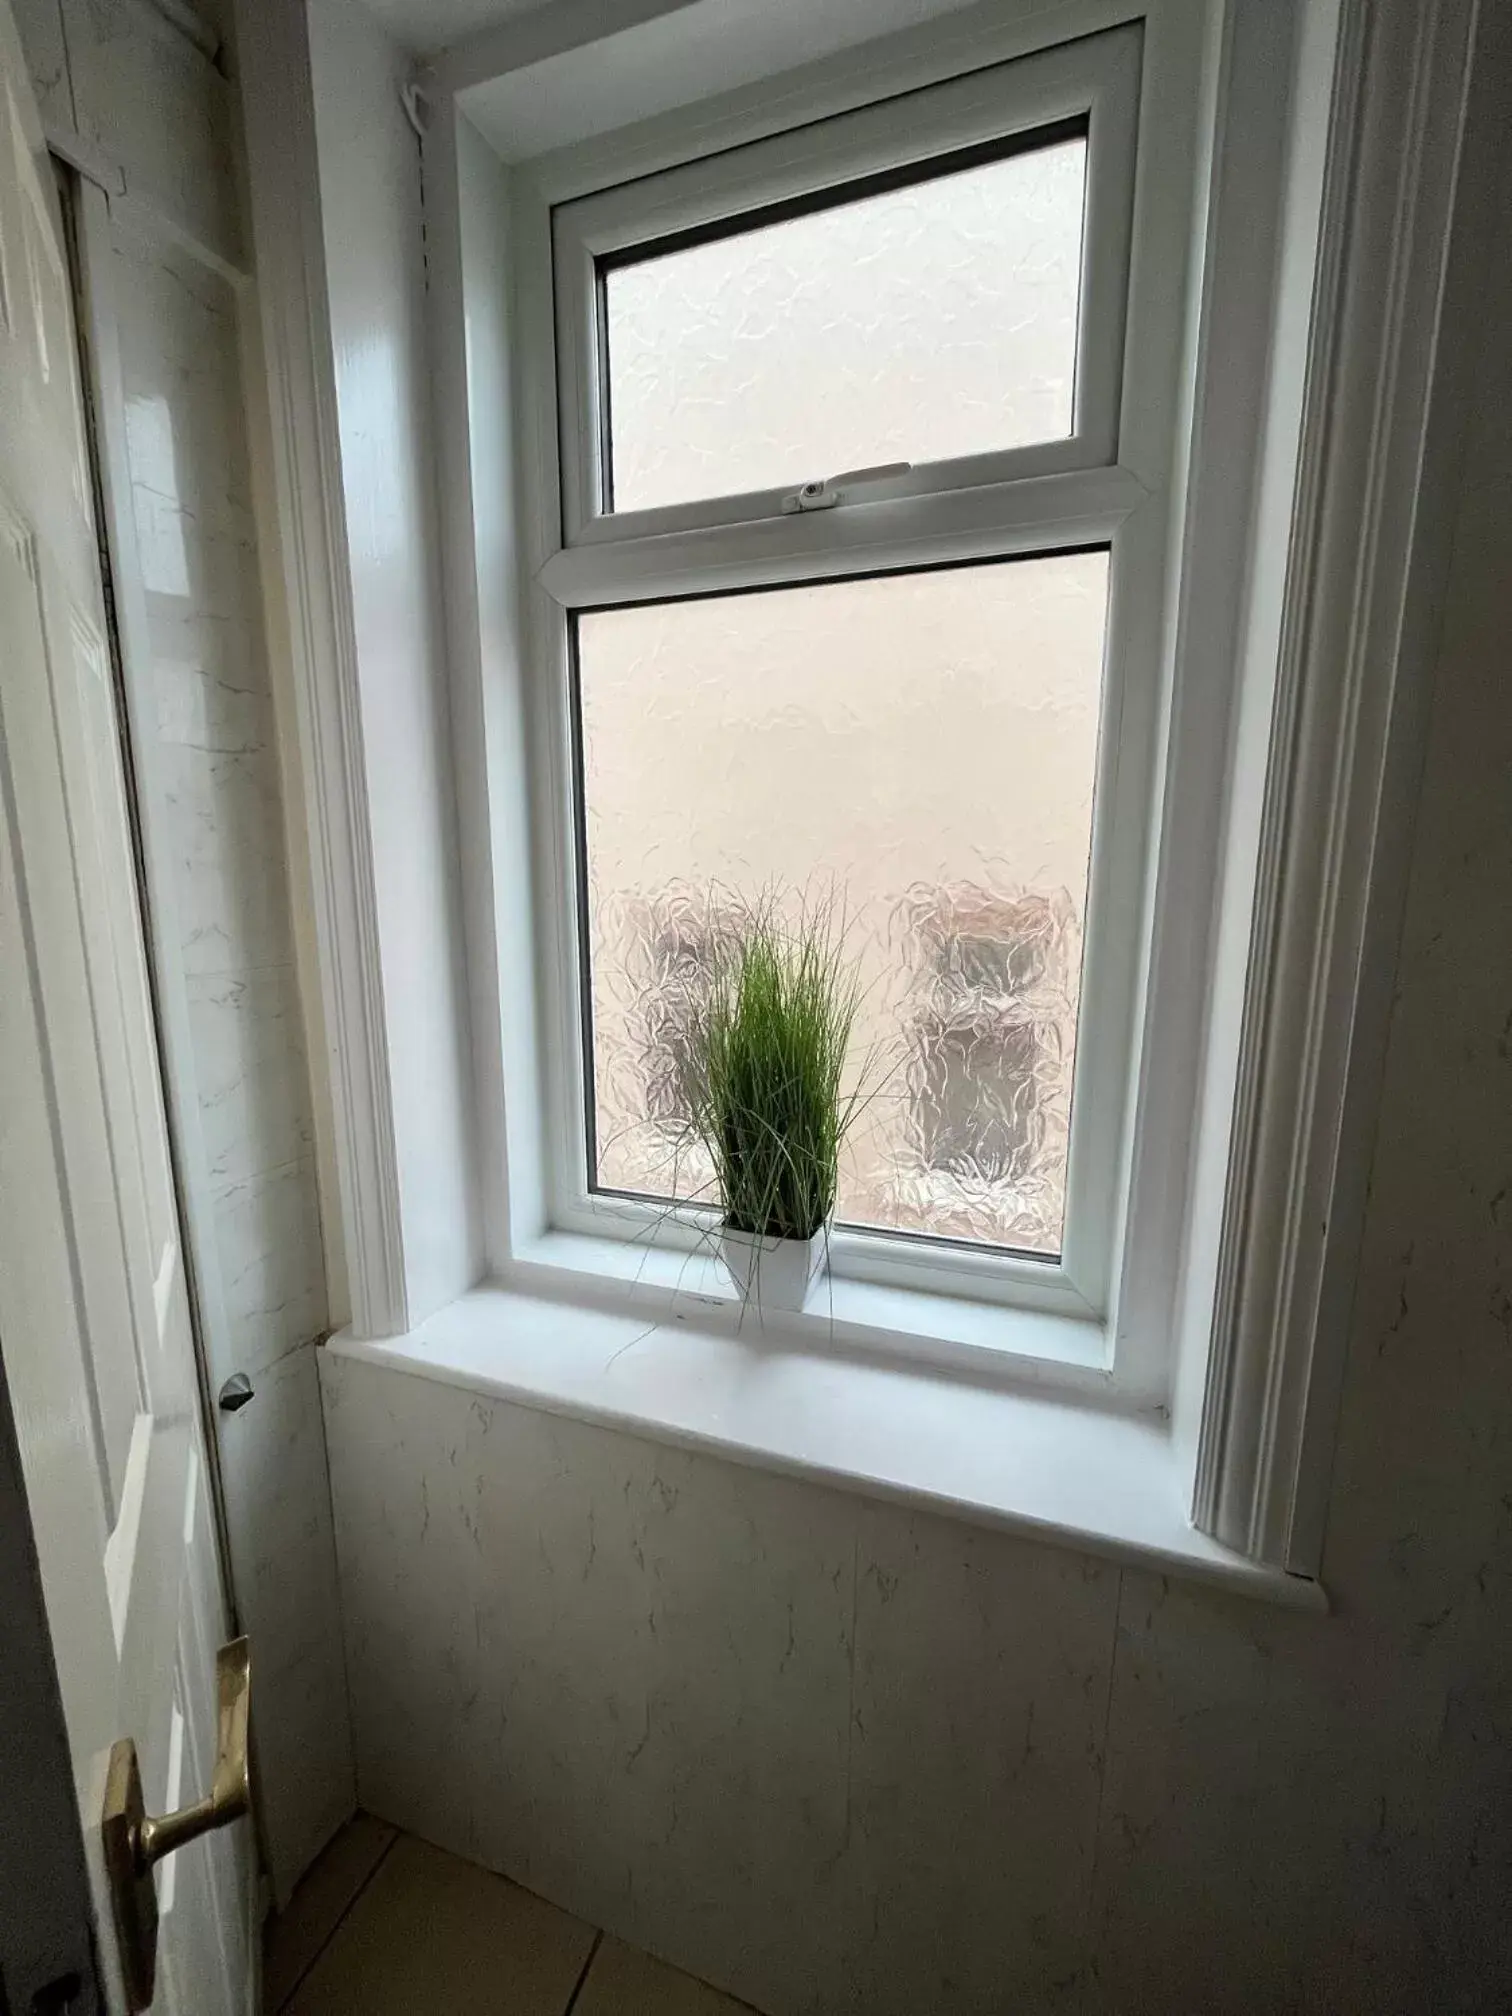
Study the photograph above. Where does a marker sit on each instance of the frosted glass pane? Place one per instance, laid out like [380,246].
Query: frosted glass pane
[923,746]
[926,322]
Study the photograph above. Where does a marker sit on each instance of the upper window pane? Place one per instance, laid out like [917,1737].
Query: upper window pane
[921,745]
[914,324]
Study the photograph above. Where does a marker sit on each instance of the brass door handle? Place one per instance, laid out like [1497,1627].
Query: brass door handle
[134,1841]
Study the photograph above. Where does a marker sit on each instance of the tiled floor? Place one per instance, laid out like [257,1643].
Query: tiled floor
[385,1926]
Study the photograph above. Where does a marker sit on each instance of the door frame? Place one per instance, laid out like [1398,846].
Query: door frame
[48,1928]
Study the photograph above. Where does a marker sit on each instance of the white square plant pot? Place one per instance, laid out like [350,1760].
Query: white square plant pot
[773,1274]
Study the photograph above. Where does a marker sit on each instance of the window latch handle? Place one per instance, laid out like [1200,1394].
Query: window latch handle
[825,493]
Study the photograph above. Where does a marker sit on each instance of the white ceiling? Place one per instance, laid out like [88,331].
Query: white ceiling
[618,61]
[429,26]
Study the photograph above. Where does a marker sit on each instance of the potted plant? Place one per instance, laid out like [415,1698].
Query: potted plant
[767,1051]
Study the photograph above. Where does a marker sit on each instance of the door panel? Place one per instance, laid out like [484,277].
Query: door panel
[95,1323]
[60,977]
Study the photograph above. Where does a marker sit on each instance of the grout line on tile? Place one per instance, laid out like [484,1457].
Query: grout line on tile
[850,1699]
[577,1989]
[329,1500]
[351,1903]
[1102,1773]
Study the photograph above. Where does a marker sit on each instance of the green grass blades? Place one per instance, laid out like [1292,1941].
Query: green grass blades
[764,1082]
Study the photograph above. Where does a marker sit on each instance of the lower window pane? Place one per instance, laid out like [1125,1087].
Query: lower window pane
[918,749]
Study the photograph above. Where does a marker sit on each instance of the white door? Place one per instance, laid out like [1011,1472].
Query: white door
[94,1308]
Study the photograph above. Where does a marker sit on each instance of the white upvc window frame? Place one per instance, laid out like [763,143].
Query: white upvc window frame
[1108,485]
[1094,79]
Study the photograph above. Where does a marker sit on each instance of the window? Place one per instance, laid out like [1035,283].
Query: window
[936,284]
[914,322]
[921,745]
[853,601]
[1256,183]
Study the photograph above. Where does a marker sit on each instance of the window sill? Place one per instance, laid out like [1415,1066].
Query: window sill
[987,1339]
[1066,1473]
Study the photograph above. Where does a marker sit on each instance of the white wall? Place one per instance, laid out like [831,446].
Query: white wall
[375,273]
[838,1756]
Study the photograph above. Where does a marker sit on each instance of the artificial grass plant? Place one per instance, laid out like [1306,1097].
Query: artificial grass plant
[765,1064]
